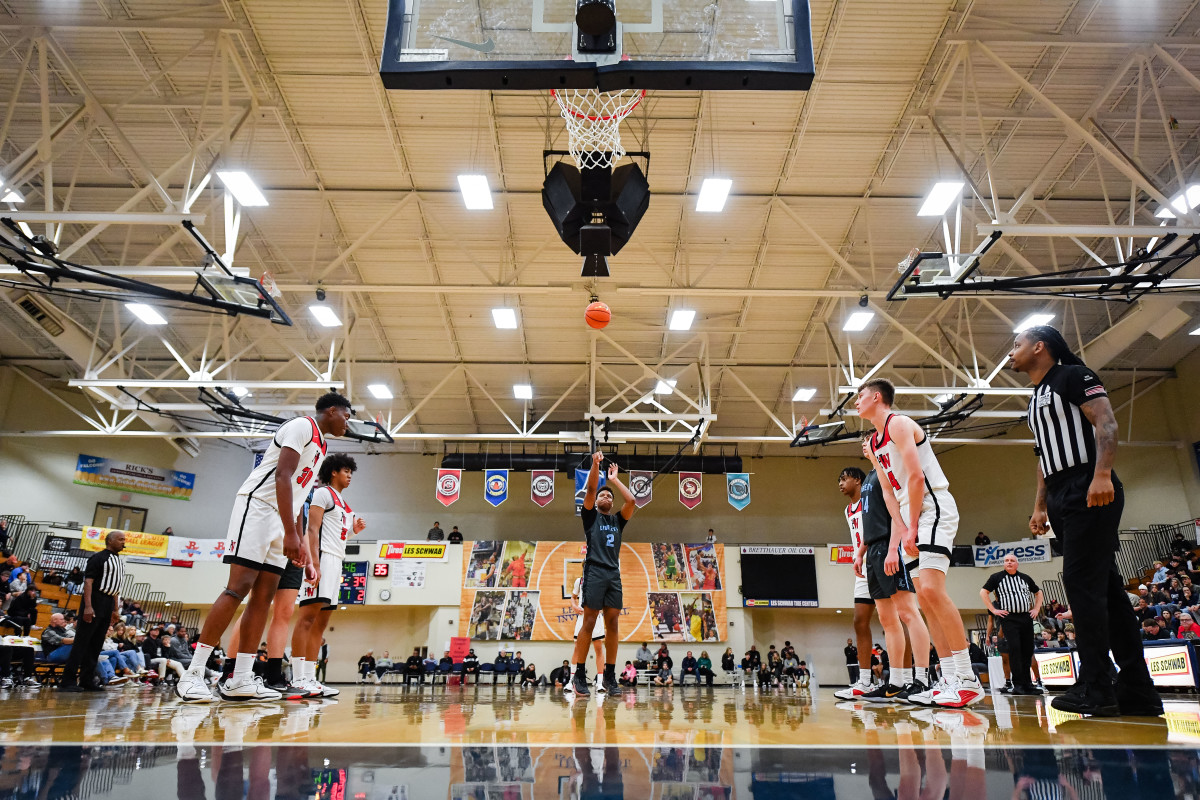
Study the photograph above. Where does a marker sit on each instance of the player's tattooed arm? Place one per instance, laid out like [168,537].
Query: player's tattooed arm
[1099,412]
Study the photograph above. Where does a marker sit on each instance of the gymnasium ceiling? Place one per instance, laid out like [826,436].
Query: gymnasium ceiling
[122,106]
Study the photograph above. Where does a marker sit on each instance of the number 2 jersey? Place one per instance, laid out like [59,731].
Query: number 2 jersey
[603,534]
[337,523]
[302,435]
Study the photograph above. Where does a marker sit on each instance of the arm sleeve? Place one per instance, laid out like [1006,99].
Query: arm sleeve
[992,582]
[1082,385]
[1033,587]
[294,434]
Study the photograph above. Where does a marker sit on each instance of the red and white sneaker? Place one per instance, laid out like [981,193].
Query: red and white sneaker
[854,691]
[959,692]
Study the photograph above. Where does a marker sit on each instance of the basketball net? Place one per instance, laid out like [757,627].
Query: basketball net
[593,123]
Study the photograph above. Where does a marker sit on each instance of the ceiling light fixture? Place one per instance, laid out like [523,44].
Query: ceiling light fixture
[240,391]
[1033,320]
[325,315]
[804,394]
[477,195]
[379,391]
[681,319]
[858,321]
[713,194]
[1183,203]
[665,387]
[940,198]
[1195,332]
[243,188]
[522,391]
[505,318]
[9,194]
[147,314]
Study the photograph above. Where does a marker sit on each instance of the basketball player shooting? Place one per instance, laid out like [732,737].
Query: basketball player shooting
[601,573]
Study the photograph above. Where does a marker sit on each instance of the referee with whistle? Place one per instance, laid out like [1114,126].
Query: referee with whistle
[1018,602]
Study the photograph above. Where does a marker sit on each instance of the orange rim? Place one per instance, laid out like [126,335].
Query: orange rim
[598,118]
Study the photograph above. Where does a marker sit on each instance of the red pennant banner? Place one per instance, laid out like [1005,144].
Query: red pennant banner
[449,484]
[541,487]
[691,489]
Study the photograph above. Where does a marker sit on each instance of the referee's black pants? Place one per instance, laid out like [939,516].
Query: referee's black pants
[89,641]
[1100,607]
[1018,632]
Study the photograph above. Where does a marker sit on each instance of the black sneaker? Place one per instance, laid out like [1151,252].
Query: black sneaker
[1083,699]
[579,686]
[1007,688]
[916,687]
[1139,701]
[888,693]
[611,686]
[1030,690]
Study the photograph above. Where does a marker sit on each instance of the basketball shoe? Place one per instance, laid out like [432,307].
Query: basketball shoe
[192,689]
[854,690]
[249,689]
[959,692]
[577,686]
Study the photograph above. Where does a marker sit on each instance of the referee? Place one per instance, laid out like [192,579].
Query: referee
[1078,493]
[1018,602]
[101,601]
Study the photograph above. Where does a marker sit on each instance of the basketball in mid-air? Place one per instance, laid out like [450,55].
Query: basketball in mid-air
[597,315]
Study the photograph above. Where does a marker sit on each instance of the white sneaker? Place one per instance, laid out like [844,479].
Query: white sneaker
[853,691]
[964,726]
[600,684]
[962,692]
[249,689]
[327,691]
[925,698]
[192,689]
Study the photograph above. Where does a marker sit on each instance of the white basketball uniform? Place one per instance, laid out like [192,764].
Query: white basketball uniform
[862,592]
[938,522]
[577,598]
[255,537]
[337,524]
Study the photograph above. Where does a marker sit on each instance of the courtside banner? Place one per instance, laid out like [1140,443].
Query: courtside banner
[841,554]
[641,483]
[414,551]
[149,545]
[691,489]
[109,473]
[1057,668]
[180,548]
[541,487]
[1027,551]
[776,550]
[449,485]
[495,486]
[1171,665]
[737,487]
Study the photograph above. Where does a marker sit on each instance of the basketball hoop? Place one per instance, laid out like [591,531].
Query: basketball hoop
[593,123]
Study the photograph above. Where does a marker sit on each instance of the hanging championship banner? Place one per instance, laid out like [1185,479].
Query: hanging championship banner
[581,487]
[495,486]
[541,487]
[642,485]
[691,489]
[737,486]
[449,481]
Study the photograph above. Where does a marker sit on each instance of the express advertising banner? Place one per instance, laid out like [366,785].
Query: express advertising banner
[109,473]
[1027,551]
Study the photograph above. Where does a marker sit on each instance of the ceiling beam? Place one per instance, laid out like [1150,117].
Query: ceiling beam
[107,217]
[153,383]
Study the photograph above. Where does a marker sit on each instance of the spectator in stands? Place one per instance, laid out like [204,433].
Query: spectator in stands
[1160,572]
[455,536]
[753,656]
[414,668]
[156,655]
[470,665]
[529,677]
[775,665]
[169,531]
[1143,611]
[74,581]
[628,675]
[382,665]
[1179,545]
[57,640]
[366,665]
[688,667]
[322,660]
[803,675]
[19,579]
[133,653]
[981,539]
[429,663]
[879,662]
[704,668]
[728,660]
[787,650]
[559,677]
[1152,632]
[122,663]
[4,536]
[663,674]
[52,578]
[766,677]
[641,659]
[435,534]
[1186,626]
[446,663]
[791,666]
[663,659]
[7,655]
[1169,622]
[22,611]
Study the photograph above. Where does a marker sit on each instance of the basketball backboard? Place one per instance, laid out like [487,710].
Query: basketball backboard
[659,44]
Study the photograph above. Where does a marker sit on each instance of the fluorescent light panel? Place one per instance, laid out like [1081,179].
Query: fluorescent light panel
[324,315]
[1182,203]
[940,198]
[804,394]
[1195,332]
[713,193]
[505,318]
[681,319]
[477,195]
[243,189]
[147,314]
[665,387]
[522,391]
[858,321]
[11,196]
[1033,320]
[379,391]
[240,391]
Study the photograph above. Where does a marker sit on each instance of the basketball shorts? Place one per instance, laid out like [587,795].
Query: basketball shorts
[326,591]
[882,585]
[255,537]
[293,577]
[602,587]
[597,629]
[936,529]
[862,590]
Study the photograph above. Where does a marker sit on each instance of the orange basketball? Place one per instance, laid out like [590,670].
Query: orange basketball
[597,315]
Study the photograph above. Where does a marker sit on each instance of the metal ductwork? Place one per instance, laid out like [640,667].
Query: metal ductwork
[565,462]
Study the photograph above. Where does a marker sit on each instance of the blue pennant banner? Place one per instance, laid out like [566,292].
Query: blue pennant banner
[495,486]
[737,484]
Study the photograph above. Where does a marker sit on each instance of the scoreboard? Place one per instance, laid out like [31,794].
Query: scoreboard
[353,590]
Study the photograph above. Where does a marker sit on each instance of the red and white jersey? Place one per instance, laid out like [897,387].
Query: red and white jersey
[302,435]
[854,520]
[337,524]
[893,467]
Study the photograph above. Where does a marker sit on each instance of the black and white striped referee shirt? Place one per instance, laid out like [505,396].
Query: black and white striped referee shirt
[106,571]
[1014,593]
[1064,437]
